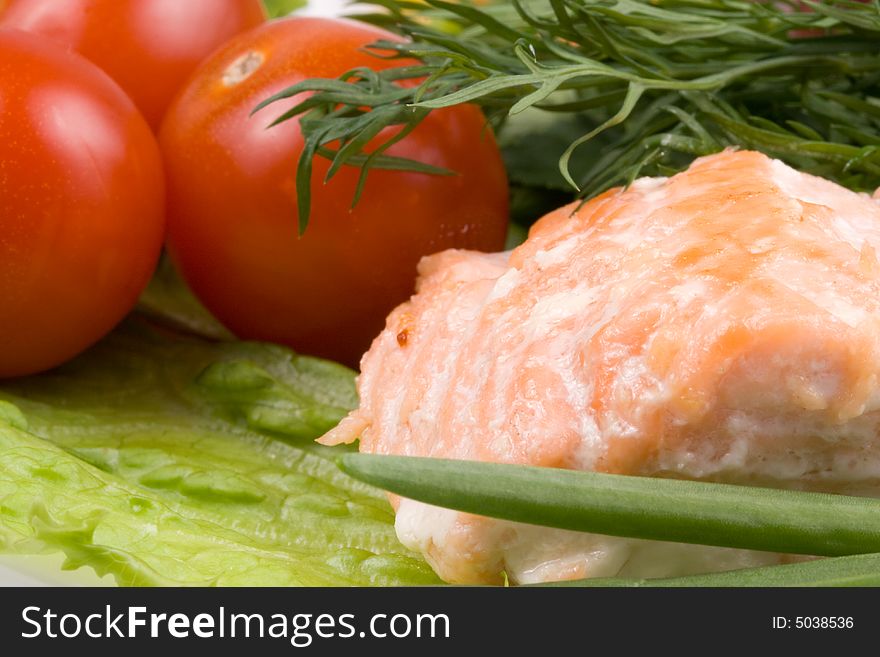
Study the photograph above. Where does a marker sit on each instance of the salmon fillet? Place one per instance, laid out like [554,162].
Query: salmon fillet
[721,324]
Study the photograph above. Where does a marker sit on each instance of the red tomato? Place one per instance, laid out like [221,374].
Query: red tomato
[81,204]
[149,47]
[232,200]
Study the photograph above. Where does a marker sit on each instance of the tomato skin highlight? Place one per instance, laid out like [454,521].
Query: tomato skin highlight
[149,47]
[81,204]
[232,198]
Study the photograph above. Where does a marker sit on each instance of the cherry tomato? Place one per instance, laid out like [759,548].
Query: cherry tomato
[81,203]
[232,200]
[149,47]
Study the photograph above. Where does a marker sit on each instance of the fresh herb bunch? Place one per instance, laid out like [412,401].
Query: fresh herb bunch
[651,84]
[653,508]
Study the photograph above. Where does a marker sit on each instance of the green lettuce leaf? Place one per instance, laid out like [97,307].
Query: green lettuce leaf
[169,460]
[277,8]
[169,301]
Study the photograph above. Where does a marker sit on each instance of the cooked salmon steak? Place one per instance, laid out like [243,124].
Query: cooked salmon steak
[722,324]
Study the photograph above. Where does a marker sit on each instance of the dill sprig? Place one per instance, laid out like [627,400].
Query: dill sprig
[657,83]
